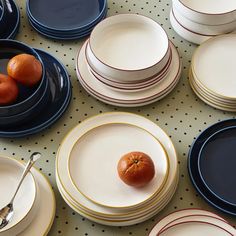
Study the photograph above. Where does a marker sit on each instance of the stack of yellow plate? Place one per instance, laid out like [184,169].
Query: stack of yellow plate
[87,176]
[212,74]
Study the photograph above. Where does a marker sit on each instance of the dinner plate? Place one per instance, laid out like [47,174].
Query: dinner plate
[181,214]
[105,187]
[25,201]
[59,99]
[194,171]
[186,33]
[11,21]
[194,228]
[217,173]
[65,16]
[67,144]
[212,58]
[43,220]
[102,91]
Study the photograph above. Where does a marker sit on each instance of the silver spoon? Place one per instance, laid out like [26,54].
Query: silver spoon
[6,213]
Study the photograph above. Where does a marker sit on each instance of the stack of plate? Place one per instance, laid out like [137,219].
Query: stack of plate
[65,20]
[197,21]
[193,222]
[213,72]
[211,165]
[9,19]
[87,176]
[35,197]
[128,61]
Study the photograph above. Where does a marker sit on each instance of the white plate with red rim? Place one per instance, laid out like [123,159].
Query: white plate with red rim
[189,215]
[207,12]
[63,154]
[104,186]
[108,94]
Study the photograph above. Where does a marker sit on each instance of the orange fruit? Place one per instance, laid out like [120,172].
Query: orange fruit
[8,90]
[136,169]
[25,69]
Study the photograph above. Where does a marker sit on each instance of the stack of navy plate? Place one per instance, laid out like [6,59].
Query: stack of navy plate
[9,19]
[65,20]
[211,165]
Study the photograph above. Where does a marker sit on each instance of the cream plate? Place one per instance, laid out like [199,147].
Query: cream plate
[166,221]
[86,76]
[218,62]
[10,174]
[113,117]
[104,185]
[43,220]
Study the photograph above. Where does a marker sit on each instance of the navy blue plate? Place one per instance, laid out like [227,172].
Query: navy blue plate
[61,36]
[217,162]
[66,15]
[59,99]
[11,22]
[194,171]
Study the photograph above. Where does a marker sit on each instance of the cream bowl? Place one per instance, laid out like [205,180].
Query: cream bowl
[128,46]
[209,12]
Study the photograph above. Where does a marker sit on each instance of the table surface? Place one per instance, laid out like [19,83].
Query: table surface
[181,114]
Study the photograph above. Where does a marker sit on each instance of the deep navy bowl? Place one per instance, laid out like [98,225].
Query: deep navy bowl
[29,114]
[27,97]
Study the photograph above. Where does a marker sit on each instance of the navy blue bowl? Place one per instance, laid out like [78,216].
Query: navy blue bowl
[27,96]
[33,111]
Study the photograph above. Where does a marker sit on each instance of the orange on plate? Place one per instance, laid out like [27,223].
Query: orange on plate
[136,169]
[25,69]
[8,90]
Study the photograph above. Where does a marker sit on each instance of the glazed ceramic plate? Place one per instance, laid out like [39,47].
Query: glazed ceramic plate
[194,228]
[194,170]
[65,15]
[181,214]
[201,219]
[186,33]
[114,117]
[59,99]
[216,164]
[85,75]
[105,187]
[124,222]
[10,174]
[11,22]
[43,220]
[212,58]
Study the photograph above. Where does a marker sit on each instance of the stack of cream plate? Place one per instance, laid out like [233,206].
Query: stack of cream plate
[86,169]
[199,20]
[213,72]
[193,222]
[128,61]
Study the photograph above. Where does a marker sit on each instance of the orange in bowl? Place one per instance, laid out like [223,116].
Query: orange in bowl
[8,90]
[25,69]
[136,169]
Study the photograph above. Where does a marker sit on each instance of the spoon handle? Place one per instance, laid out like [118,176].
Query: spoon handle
[33,158]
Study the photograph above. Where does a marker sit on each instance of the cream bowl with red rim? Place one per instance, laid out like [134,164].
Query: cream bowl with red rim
[128,46]
[209,12]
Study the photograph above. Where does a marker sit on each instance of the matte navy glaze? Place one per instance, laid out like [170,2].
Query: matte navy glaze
[59,99]
[194,171]
[27,96]
[65,15]
[10,24]
[217,162]
[64,36]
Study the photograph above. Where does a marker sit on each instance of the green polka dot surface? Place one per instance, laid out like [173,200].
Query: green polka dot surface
[181,114]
